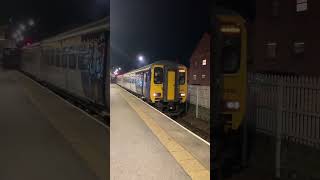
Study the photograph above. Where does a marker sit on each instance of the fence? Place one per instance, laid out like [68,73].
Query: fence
[290,104]
[203,95]
[199,97]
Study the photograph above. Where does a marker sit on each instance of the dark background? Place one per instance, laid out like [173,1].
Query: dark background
[160,30]
[53,16]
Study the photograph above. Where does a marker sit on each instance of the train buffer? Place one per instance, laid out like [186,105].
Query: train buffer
[147,144]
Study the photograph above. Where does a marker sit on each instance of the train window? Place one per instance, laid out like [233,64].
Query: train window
[64,60]
[182,78]
[72,61]
[231,54]
[82,62]
[158,75]
[50,58]
[57,59]
[52,62]
[47,57]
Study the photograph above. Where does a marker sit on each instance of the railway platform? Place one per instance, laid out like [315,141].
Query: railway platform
[145,144]
[44,137]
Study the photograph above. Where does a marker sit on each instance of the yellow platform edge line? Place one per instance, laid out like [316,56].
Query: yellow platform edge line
[185,159]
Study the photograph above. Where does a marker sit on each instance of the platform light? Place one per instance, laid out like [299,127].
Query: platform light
[22,27]
[140,58]
[116,72]
[31,22]
[182,70]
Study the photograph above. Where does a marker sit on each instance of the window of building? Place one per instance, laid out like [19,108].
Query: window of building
[271,50]
[302,5]
[275,7]
[195,77]
[298,48]
[203,76]
[204,62]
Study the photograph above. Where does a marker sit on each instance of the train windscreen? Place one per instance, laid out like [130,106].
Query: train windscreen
[231,53]
[182,77]
[158,75]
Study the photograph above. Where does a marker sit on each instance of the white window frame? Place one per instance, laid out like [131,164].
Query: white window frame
[274,50]
[204,62]
[297,45]
[302,5]
[194,77]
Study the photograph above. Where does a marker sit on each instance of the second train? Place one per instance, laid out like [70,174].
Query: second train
[162,84]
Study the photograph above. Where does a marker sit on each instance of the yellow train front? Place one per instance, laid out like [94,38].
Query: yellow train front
[163,84]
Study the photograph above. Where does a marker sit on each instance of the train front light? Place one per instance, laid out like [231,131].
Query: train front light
[156,94]
[232,105]
[182,94]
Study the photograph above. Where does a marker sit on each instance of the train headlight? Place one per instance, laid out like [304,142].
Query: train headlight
[156,94]
[232,105]
[182,94]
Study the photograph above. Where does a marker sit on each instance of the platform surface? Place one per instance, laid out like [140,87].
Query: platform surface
[43,137]
[146,144]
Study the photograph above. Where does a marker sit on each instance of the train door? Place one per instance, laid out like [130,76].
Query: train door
[146,84]
[171,75]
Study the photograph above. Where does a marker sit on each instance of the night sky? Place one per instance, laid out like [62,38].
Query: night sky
[53,16]
[160,30]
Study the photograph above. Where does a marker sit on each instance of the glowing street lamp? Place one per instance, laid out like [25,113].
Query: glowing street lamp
[115,72]
[140,58]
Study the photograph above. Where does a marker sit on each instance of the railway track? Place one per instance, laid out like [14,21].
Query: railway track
[97,112]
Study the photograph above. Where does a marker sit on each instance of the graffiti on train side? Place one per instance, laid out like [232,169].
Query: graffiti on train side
[93,51]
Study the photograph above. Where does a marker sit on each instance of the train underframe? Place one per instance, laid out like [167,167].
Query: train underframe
[234,148]
[171,108]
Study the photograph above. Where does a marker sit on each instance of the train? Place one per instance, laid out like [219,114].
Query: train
[74,63]
[233,133]
[162,84]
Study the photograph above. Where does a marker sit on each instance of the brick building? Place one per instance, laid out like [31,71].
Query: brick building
[199,70]
[286,37]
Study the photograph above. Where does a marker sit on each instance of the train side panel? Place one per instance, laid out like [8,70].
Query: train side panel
[74,62]
[31,63]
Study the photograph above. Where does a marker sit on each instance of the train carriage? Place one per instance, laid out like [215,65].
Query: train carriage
[74,62]
[163,84]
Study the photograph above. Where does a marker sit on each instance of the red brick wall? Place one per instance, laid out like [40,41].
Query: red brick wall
[201,52]
[285,29]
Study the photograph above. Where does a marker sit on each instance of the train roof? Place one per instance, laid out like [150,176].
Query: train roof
[102,24]
[167,62]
